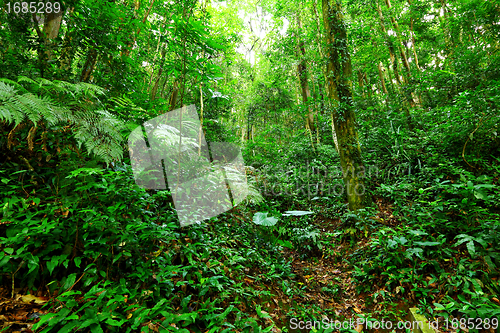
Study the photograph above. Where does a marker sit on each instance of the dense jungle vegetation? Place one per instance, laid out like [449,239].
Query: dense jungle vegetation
[369,132]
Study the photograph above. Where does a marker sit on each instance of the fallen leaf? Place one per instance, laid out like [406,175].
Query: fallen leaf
[30,298]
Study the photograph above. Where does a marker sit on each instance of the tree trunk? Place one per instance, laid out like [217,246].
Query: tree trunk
[407,93]
[381,76]
[304,84]
[325,75]
[361,84]
[68,50]
[368,86]
[126,51]
[443,23]
[201,118]
[398,36]
[51,31]
[173,97]
[89,66]
[340,93]
[392,54]
[154,89]
[414,47]
[51,26]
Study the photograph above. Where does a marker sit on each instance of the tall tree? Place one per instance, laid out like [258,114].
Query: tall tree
[302,72]
[340,93]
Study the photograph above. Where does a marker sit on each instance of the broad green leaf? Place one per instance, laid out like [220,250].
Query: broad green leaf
[417,232]
[69,281]
[464,238]
[78,261]
[88,322]
[52,264]
[471,248]
[96,329]
[287,244]
[480,195]
[439,306]
[263,219]
[43,320]
[113,322]
[414,250]
[490,263]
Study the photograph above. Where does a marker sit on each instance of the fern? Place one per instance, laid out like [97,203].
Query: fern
[60,102]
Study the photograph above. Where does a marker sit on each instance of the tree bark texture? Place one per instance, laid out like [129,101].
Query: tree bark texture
[340,93]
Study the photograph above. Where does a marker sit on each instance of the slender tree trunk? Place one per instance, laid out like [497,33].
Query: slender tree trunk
[361,83]
[414,46]
[68,51]
[334,134]
[89,66]
[126,51]
[368,86]
[201,118]
[340,93]
[392,54]
[324,69]
[173,97]
[395,24]
[299,87]
[407,93]
[381,76]
[154,89]
[304,84]
[443,20]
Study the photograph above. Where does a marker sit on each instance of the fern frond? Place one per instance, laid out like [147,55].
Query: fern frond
[35,108]
[62,102]
[63,85]
[45,82]
[122,101]
[26,79]
[7,112]
[253,195]
[16,107]
[15,84]
[88,90]
[100,132]
[51,87]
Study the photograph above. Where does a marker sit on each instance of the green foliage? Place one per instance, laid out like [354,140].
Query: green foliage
[60,106]
[113,255]
[110,255]
[264,220]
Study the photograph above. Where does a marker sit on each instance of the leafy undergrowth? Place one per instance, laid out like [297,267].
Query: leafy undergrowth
[90,251]
[230,274]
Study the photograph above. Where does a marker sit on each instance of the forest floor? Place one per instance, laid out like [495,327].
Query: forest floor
[343,304]
[322,286]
